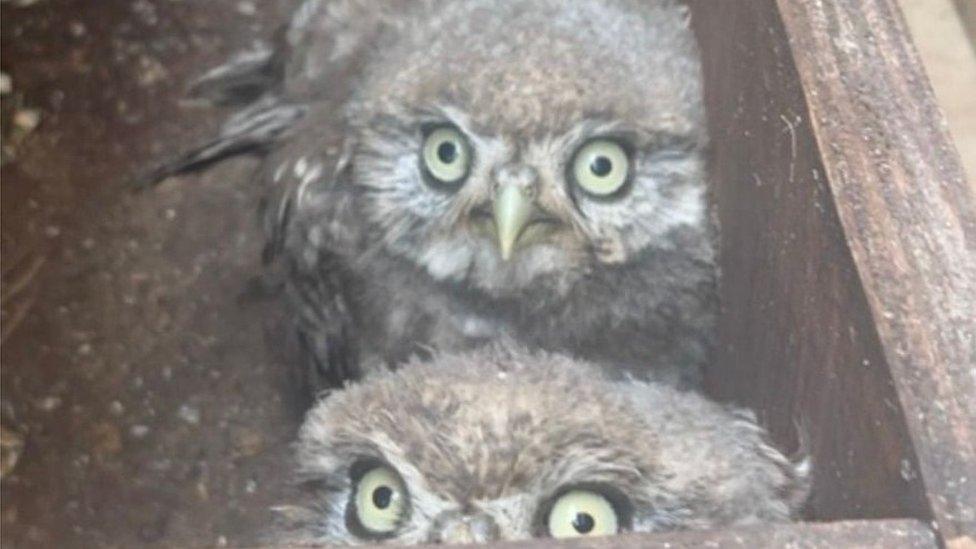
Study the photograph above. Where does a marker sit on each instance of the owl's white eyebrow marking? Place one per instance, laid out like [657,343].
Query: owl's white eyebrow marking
[639,136]
[301,166]
[280,171]
[601,124]
[314,172]
[476,326]
[311,175]
[451,114]
[315,236]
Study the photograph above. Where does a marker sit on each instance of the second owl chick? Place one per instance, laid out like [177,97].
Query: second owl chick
[501,444]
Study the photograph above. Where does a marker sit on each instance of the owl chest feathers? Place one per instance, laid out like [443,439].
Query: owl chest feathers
[633,325]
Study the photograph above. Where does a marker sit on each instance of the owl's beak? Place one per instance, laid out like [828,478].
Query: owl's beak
[513,209]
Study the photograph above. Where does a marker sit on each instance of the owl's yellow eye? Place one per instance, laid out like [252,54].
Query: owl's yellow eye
[446,155]
[580,513]
[601,167]
[380,500]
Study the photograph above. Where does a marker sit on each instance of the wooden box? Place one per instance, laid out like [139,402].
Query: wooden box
[849,271]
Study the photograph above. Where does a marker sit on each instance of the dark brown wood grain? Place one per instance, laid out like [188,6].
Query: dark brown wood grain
[909,218]
[798,343]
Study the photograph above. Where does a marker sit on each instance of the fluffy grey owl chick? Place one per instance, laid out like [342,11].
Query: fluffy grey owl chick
[501,444]
[450,172]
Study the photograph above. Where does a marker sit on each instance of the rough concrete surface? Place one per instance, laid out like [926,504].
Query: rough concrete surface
[145,393]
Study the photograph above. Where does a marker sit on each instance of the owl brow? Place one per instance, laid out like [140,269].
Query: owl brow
[609,124]
[429,115]
[626,134]
[439,114]
[639,137]
[316,480]
[657,140]
[597,122]
[619,477]
[328,483]
[357,449]
[588,129]
[610,469]
[387,124]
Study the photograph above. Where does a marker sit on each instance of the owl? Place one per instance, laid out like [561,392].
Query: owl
[446,173]
[502,444]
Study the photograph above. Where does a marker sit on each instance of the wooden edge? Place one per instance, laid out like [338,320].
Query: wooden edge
[875,534]
[967,12]
[910,222]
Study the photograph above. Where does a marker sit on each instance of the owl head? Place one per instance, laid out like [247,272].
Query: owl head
[507,143]
[500,444]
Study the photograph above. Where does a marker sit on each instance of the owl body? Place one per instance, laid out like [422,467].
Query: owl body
[387,260]
[447,172]
[503,444]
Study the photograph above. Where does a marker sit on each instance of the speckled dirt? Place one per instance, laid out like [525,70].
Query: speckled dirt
[142,360]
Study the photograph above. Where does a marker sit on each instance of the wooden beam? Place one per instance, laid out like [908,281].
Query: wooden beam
[878,534]
[894,534]
[798,341]
[910,221]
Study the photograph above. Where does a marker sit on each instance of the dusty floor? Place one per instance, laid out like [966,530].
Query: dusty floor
[140,360]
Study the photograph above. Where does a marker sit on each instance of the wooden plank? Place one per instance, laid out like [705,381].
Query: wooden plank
[892,534]
[882,534]
[798,343]
[910,221]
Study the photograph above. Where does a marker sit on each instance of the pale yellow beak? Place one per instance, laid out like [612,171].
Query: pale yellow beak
[513,207]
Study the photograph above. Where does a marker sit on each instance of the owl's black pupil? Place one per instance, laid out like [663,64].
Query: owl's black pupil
[583,523]
[447,152]
[601,166]
[382,497]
